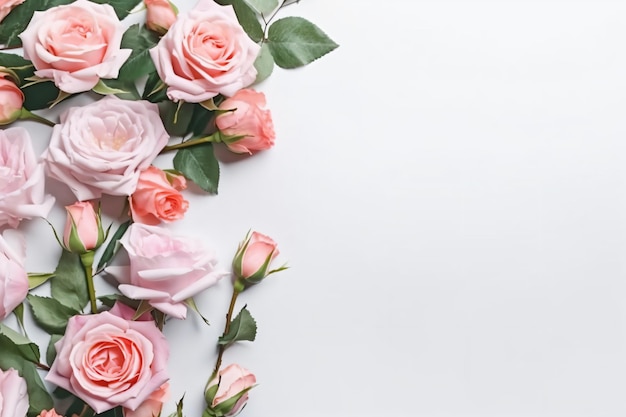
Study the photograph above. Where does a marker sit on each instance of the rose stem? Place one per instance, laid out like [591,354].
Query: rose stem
[87,261]
[189,143]
[229,316]
[27,115]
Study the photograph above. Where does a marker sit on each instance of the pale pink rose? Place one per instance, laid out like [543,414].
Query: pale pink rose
[13,275]
[108,359]
[101,148]
[6,6]
[253,259]
[205,53]
[13,394]
[156,199]
[234,381]
[11,99]
[22,180]
[153,405]
[49,413]
[83,228]
[160,15]
[249,119]
[164,269]
[75,44]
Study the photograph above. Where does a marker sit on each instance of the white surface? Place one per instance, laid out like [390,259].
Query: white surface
[448,188]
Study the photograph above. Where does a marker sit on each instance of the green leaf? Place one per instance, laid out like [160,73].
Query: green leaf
[113,245]
[263,7]
[69,286]
[122,7]
[51,352]
[35,280]
[247,17]
[294,42]
[155,90]
[168,110]
[243,327]
[264,64]
[50,314]
[140,40]
[28,349]
[18,19]
[11,357]
[198,164]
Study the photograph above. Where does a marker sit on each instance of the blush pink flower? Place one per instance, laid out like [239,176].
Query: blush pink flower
[13,275]
[254,257]
[160,15]
[205,52]
[6,6]
[109,360]
[22,180]
[151,406]
[83,228]
[49,413]
[75,44]
[11,100]
[164,269]
[248,126]
[101,148]
[13,394]
[158,199]
[227,393]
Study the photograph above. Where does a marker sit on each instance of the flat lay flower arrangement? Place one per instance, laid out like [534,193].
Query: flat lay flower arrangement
[176,82]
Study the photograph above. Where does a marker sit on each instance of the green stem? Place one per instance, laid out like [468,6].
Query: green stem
[215,137]
[27,115]
[87,260]
[229,317]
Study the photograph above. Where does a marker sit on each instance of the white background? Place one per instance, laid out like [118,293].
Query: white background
[448,187]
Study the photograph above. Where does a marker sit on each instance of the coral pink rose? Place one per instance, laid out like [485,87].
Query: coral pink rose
[11,99]
[6,6]
[13,394]
[75,44]
[109,359]
[205,53]
[248,124]
[160,15]
[22,179]
[153,405]
[233,383]
[49,413]
[166,270]
[83,228]
[157,199]
[101,148]
[13,275]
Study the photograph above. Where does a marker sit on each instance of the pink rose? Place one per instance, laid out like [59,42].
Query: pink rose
[83,228]
[49,413]
[11,99]
[22,179]
[13,276]
[101,148]
[232,383]
[6,6]
[153,405]
[205,53]
[160,15]
[109,359]
[248,124]
[253,259]
[166,270]
[13,394]
[156,199]
[75,44]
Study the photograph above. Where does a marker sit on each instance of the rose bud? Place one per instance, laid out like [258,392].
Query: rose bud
[244,123]
[160,15]
[227,392]
[11,100]
[49,413]
[83,228]
[253,259]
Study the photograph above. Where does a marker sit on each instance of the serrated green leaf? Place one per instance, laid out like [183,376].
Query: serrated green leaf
[11,357]
[28,349]
[122,7]
[18,19]
[140,40]
[69,286]
[113,245]
[51,352]
[264,7]
[35,280]
[243,327]
[198,164]
[50,314]
[294,42]
[264,64]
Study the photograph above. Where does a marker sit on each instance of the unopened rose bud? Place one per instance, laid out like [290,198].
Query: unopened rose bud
[253,259]
[227,393]
[161,14]
[11,100]
[83,228]
[49,413]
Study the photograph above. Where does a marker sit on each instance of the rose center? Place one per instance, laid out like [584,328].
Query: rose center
[114,362]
